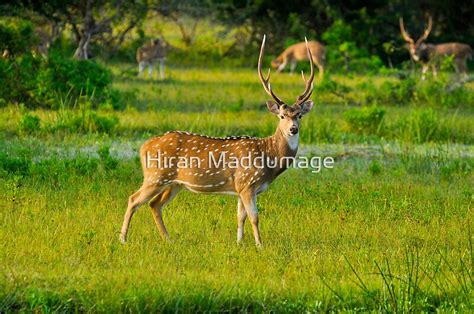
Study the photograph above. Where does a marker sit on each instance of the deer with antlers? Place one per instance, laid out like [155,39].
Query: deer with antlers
[429,55]
[164,177]
[149,54]
[297,52]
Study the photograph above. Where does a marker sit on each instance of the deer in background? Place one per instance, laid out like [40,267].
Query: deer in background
[297,52]
[149,54]
[161,184]
[429,55]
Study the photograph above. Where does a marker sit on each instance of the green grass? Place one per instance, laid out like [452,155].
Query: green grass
[388,229]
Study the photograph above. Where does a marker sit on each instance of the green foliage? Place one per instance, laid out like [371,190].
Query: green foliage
[16,35]
[365,120]
[29,123]
[62,75]
[14,165]
[375,168]
[36,81]
[343,52]
[420,126]
[107,159]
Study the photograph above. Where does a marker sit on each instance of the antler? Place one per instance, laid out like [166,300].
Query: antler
[427,31]
[404,33]
[266,81]
[309,83]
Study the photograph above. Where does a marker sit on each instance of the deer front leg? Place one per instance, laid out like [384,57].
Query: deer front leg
[241,216]
[141,67]
[150,70]
[424,69]
[249,200]
[282,65]
[156,206]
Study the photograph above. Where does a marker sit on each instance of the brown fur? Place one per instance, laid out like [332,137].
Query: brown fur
[297,52]
[163,181]
[148,54]
[429,55]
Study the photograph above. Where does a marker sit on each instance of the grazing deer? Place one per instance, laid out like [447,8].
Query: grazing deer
[164,178]
[148,54]
[297,52]
[429,55]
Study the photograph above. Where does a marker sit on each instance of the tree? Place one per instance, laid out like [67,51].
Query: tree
[92,20]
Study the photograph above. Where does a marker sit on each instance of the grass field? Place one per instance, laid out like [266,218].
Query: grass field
[388,229]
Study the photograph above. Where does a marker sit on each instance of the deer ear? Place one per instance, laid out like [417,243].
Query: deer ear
[273,107]
[306,106]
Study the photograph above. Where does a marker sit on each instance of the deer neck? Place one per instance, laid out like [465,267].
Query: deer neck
[282,145]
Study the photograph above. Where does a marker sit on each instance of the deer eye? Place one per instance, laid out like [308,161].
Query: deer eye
[299,116]
[282,117]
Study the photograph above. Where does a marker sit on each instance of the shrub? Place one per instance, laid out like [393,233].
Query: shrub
[36,82]
[109,161]
[16,35]
[420,126]
[12,165]
[29,123]
[343,53]
[365,120]
[85,121]
[375,168]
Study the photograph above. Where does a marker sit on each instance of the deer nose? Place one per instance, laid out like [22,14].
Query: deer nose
[293,130]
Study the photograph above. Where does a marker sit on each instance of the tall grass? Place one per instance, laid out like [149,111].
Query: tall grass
[394,240]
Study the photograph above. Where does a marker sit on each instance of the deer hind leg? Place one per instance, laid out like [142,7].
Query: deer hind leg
[434,68]
[293,66]
[162,69]
[319,64]
[156,206]
[241,216]
[424,69]
[141,67]
[249,200]
[143,195]
[461,67]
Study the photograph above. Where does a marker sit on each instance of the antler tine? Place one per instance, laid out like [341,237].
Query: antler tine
[266,81]
[404,33]
[309,84]
[427,31]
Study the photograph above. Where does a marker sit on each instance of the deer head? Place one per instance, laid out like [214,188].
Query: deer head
[290,116]
[415,47]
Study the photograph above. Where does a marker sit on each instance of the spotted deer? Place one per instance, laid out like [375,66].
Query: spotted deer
[297,52]
[429,55]
[164,177]
[149,54]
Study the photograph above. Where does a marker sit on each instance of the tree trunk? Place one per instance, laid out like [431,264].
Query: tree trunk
[82,51]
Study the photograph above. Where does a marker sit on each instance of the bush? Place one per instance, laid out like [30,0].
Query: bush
[107,159]
[419,127]
[36,82]
[64,75]
[343,53]
[365,120]
[29,123]
[85,121]
[12,165]
[17,36]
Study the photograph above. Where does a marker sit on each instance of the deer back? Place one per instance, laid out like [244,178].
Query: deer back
[210,165]
[151,52]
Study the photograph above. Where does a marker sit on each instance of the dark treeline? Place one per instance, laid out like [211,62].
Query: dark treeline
[370,26]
